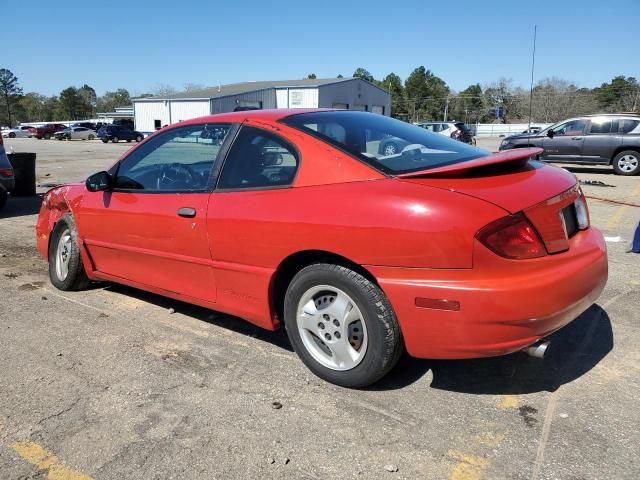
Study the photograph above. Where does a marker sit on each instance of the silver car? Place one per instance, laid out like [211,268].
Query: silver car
[17,132]
[6,175]
[75,133]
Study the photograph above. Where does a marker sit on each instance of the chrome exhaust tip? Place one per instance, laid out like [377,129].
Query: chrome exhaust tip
[538,349]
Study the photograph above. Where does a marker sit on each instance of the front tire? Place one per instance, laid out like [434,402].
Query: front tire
[138,138]
[115,139]
[627,163]
[47,136]
[341,325]
[12,135]
[66,270]
[91,137]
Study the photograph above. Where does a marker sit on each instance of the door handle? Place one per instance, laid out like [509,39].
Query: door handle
[187,212]
[576,138]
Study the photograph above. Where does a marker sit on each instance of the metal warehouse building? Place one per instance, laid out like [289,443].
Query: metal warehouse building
[152,113]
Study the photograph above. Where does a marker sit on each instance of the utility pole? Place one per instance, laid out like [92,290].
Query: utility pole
[446,108]
[533,64]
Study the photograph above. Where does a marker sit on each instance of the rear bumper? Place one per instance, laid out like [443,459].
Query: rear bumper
[504,305]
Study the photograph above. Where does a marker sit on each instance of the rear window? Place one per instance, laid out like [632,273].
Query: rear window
[388,145]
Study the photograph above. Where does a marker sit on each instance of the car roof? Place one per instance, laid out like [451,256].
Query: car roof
[269,115]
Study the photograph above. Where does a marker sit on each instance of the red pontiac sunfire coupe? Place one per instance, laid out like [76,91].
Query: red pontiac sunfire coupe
[299,216]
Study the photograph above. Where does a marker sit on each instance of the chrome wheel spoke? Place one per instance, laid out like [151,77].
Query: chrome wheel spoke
[63,255]
[343,354]
[308,318]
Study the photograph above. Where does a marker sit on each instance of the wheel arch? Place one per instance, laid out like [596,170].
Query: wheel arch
[295,262]
[622,148]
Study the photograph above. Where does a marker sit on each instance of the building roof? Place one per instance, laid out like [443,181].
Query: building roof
[244,87]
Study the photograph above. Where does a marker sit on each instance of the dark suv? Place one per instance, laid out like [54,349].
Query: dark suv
[115,133]
[611,139]
[6,175]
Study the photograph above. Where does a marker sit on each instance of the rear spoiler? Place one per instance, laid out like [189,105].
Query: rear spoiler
[515,156]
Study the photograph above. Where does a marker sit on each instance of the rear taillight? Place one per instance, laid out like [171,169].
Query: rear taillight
[1,141]
[6,172]
[512,237]
[582,212]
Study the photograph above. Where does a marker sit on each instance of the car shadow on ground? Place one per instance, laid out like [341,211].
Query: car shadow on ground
[21,206]
[238,325]
[574,350]
[604,170]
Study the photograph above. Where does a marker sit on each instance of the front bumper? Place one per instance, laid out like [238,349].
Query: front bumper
[504,305]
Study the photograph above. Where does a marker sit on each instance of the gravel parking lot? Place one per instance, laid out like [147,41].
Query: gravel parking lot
[109,383]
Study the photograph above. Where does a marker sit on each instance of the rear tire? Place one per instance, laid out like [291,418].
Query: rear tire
[139,138]
[47,136]
[12,135]
[341,325]
[66,270]
[105,140]
[115,139]
[91,137]
[627,163]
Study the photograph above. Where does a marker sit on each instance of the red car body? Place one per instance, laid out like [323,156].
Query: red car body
[46,131]
[415,234]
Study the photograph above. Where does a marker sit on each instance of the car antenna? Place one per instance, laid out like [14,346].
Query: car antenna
[533,65]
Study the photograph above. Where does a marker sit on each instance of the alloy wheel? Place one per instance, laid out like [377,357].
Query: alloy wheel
[332,328]
[628,163]
[63,255]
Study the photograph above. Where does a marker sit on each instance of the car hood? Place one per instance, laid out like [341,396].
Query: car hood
[521,136]
[508,179]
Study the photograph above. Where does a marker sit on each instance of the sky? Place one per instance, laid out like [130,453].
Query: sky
[140,45]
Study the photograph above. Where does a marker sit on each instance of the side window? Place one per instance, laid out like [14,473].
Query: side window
[603,126]
[630,126]
[600,126]
[259,159]
[574,127]
[179,160]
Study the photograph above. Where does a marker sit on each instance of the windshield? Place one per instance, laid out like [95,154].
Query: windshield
[388,145]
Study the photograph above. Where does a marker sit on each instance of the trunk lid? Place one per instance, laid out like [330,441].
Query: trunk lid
[515,183]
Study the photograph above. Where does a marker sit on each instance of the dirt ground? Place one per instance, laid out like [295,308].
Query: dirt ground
[109,384]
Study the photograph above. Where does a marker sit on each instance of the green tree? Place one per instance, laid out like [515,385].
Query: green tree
[425,94]
[392,83]
[467,105]
[312,76]
[363,74]
[339,76]
[111,100]
[10,91]
[88,101]
[32,107]
[71,103]
[619,95]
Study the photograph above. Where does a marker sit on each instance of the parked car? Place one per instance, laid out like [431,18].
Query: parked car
[17,132]
[295,220]
[7,181]
[456,130]
[124,122]
[612,139]
[46,131]
[115,133]
[75,133]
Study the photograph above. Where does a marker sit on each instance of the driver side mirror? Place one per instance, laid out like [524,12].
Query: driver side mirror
[550,133]
[99,182]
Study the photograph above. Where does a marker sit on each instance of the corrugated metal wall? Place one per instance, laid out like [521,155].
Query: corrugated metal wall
[355,93]
[184,110]
[146,112]
[228,104]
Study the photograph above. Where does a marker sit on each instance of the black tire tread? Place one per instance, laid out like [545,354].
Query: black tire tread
[393,344]
[77,278]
